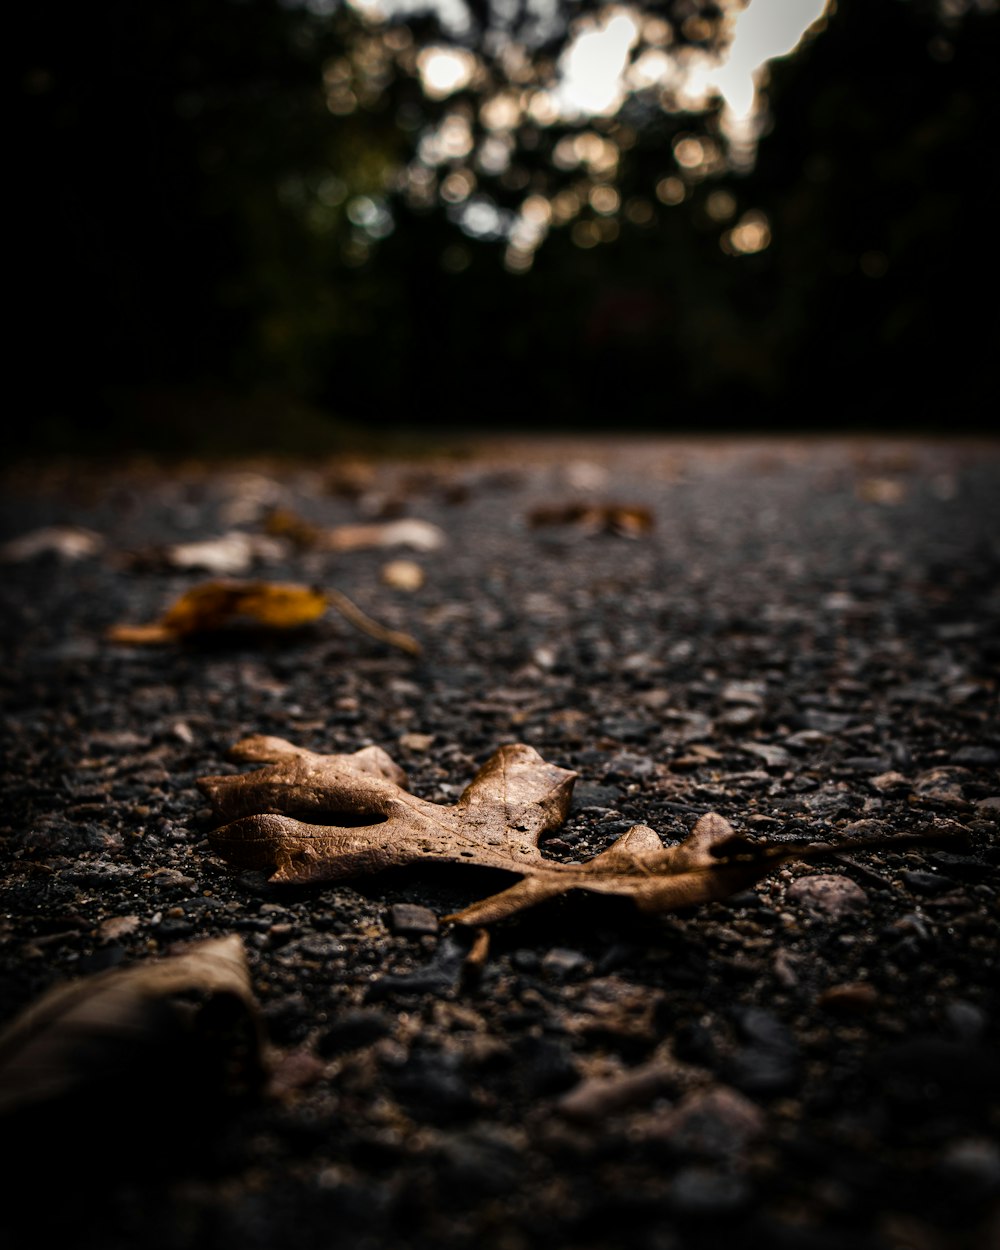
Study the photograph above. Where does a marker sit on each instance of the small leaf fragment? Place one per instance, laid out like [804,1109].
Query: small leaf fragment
[67,542]
[623,520]
[402,532]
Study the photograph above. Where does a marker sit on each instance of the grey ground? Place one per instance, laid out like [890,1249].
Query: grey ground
[806,642]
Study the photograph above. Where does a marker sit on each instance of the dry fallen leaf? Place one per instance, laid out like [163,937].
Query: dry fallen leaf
[227,555]
[188,1021]
[402,532]
[67,542]
[222,605]
[625,520]
[375,823]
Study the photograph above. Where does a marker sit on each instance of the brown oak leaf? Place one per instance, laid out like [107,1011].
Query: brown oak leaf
[371,822]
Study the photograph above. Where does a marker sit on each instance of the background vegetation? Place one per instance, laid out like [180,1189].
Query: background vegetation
[231,223]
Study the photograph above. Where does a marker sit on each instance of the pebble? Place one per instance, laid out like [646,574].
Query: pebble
[768,1064]
[67,542]
[561,962]
[484,1162]
[764,1029]
[751,693]
[741,716]
[544,1066]
[699,1191]
[989,808]
[416,742]
[402,575]
[116,926]
[773,756]
[806,739]
[976,756]
[716,1122]
[925,882]
[973,1165]
[830,895]
[965,1020]
[767,1073]
[852,998]
[353,1029]
[411,920]
[431,1085]
[599,1097]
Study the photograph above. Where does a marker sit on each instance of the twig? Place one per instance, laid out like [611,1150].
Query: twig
[360,620]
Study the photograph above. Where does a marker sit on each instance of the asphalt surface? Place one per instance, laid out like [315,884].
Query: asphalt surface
[801,635]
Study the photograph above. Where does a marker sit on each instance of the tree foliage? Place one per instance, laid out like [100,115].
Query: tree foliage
[257,196]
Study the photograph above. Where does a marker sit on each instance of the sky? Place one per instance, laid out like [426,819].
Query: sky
[597,70]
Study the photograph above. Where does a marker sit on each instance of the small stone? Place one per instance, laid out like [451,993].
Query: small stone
[740,717]
[763,1028]
[484,1162]
[698,1191]
[66,542]
[830,895]
[806,739]
[772,755]
[354,1029]
[717,1123]
[965,1020]
[611,1007]
[763,1071]
[751,693]
[784,969]
[295,1070]
[416,742]
[852,998]
[890,781]
[976,756]
[989,808]
[768,1064]
[431,1086]
[403,575]
[599,1097]
[924,882]
[116,926]
[826,722]
[411,920]
[973,1165]
[543,1066]
[561,962]
[864,764]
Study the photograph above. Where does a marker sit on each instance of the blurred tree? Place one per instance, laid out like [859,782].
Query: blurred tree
[882,194]
[181,186]
[389,214]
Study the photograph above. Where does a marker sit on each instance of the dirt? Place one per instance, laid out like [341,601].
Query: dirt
[805,640]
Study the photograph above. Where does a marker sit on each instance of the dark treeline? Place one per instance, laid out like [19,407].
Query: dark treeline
[185,264]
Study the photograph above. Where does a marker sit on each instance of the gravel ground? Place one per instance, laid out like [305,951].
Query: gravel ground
[799,635]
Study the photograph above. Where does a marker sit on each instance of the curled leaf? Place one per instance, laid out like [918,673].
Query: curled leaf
[223,605]
[185,1024]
